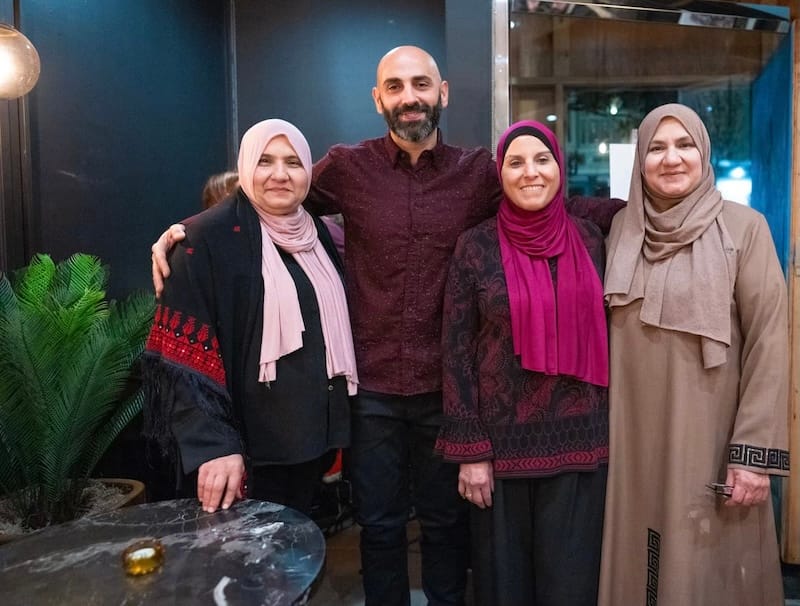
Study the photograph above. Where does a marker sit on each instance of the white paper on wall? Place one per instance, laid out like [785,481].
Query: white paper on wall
[620,158]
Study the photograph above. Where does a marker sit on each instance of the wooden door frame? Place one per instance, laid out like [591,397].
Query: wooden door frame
[790,526]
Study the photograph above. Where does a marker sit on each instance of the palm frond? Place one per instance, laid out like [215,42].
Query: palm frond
[66,354]
[123,415]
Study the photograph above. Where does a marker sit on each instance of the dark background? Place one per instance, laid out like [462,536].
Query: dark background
[139,101]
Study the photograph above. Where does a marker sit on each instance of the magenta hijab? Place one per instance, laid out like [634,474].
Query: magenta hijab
[555,331]
[296,234]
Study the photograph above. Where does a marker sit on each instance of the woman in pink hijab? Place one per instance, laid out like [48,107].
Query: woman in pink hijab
[525,383]
[250,362]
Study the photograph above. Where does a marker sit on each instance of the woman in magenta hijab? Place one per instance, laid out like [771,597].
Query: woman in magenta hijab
[250,361]
[525,384]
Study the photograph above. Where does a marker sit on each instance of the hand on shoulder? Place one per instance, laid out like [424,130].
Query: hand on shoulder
[160,249]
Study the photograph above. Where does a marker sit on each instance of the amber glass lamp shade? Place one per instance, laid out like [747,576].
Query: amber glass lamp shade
[19,63]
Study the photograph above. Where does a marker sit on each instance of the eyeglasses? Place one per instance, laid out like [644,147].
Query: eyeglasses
[723,490]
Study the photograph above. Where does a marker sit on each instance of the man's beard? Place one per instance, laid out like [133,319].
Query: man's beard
[418,130]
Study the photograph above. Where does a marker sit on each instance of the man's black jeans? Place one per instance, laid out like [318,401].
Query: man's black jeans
[393,466]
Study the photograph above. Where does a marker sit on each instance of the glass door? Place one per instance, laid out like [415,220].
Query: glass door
[592,70]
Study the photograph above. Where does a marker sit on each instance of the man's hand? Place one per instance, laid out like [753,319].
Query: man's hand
[749,488]
[476,483]
[161,248]
[218,480]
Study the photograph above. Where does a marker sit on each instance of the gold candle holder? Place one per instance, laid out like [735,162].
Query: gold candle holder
[143,557]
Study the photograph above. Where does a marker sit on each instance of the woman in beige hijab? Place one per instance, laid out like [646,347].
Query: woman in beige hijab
[698,385]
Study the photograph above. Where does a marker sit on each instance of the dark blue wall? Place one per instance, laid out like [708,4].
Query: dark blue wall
[772,163]
[127,121]
[470,61]
[132,113]
[313,62]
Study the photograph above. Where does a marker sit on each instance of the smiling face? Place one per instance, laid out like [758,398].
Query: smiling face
[280,181]
[530,174]
[673,165]
[410,93]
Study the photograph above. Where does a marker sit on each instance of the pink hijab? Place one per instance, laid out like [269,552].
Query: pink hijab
[296,234]
[555,332]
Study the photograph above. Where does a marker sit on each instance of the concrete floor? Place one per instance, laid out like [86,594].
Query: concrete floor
[791,584]
[340,584]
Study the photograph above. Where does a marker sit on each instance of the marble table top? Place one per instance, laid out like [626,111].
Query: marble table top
[255,553]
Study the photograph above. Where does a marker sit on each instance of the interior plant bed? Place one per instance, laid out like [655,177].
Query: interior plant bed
[99,496]
[68,386]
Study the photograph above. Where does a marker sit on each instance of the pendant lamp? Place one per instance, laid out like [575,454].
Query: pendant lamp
[19,63]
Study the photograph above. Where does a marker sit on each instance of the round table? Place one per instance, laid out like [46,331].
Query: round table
[254,553]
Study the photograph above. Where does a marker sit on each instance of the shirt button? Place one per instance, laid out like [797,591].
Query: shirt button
[330,387]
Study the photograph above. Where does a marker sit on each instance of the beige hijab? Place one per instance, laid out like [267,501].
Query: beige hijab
[680,262]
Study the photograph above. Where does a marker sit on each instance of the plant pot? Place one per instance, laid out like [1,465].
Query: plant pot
[133,490]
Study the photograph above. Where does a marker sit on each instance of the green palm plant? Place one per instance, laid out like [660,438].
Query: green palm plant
[66,391]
